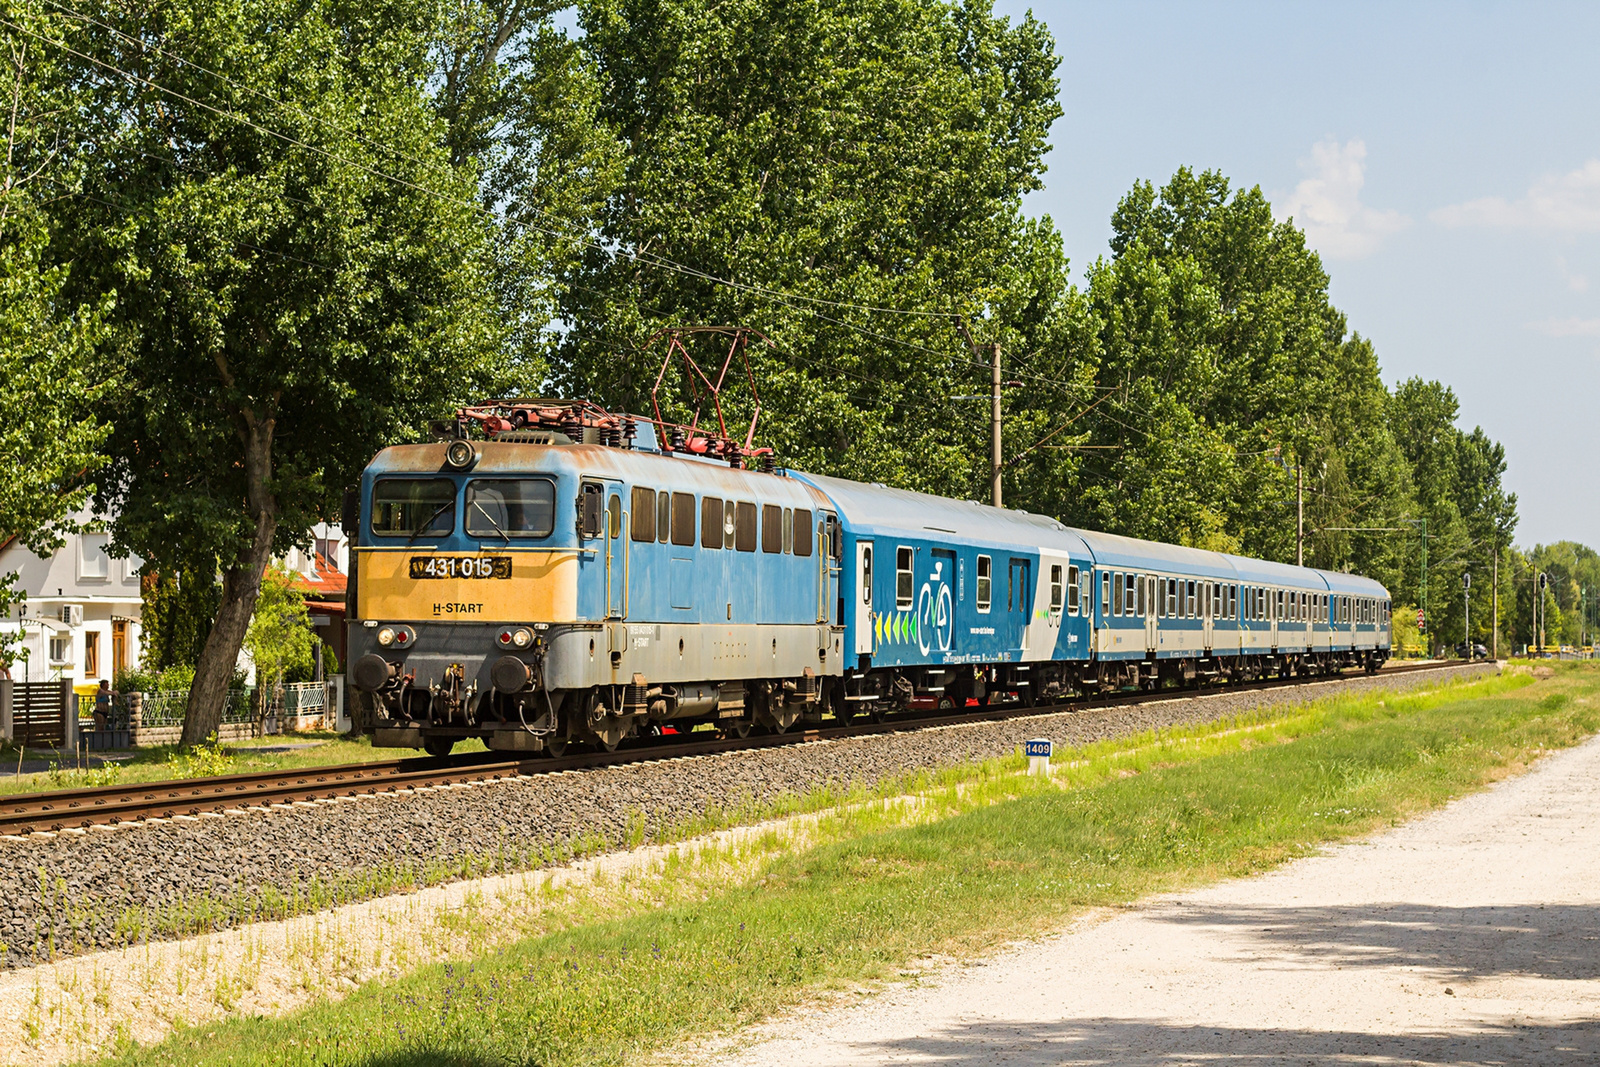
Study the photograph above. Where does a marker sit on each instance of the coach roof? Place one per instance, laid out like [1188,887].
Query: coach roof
[879,511]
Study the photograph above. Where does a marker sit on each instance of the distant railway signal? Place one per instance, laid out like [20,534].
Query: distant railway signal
[1422,621]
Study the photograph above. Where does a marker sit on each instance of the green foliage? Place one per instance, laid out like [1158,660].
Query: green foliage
[200,761]
[280,638]
[176,616]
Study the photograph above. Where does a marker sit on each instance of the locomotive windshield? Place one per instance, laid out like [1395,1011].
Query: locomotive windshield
[511,507]
[413,507]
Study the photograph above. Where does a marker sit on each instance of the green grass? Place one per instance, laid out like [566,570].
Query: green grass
[999,858]
[162,762]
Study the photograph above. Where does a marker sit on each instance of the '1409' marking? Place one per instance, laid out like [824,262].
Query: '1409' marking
[460,567]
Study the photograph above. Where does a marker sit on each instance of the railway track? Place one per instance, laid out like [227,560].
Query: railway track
[69,809]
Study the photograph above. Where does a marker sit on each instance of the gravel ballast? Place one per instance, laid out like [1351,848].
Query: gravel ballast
[69,893]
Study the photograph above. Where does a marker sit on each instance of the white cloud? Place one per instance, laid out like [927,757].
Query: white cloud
[1569,327]
[1328,204]
[1565,202]
[1578,283]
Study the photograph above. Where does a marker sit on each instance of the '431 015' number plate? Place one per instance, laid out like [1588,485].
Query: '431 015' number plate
[460,567]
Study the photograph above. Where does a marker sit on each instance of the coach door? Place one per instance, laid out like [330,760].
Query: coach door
[1152,590]
[863,618]
[1208,596]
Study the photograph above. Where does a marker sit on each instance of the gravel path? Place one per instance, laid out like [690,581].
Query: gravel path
[1469,937]
[66,894]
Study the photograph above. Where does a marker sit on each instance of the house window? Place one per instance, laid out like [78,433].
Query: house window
[60,649]
[904,559]
[93,563]
[1055,589]
[91,654]
[985,583]
[1072,590]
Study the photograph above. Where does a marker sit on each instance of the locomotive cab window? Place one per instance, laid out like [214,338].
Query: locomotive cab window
[985,583]
[1072,590]
[802,532]
[904,579]
[682,518]
[413,507]
[643,521]
[1055,589]
[591,510]
[511,507]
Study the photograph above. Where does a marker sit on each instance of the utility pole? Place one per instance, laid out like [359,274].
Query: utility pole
[1424,591]
[1539,617]
[1466,609]
[1299,515]
[994,428]
[1494,638]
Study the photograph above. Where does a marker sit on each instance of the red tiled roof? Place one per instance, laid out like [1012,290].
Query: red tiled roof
[329,580]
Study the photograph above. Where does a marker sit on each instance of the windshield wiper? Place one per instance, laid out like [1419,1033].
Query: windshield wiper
[422,529]
[497,528]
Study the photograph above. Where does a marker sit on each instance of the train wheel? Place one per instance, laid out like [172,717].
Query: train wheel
[438,746]
[946,703]
[738,727]
[555,745]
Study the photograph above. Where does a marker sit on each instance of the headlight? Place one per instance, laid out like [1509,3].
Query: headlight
[386,637]
[460,454]
[522,638]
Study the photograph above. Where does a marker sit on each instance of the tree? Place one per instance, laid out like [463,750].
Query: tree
[302,276]
[49,438]
[846,177]
[280,640]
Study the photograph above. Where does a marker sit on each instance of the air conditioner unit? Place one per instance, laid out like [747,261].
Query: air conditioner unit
[72,614]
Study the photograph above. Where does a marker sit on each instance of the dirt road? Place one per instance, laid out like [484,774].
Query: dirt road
[1471,936]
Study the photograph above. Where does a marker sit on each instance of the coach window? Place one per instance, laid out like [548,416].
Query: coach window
[1105,593]
[1143,581]
[904,560]
[1085,592]
[643,522]
[985,583]
[1129,595]
[1072,590]
[1055,589]
[711,522]
[663,516]
[772,529]
[1116,593]
[682,518]
[802,531]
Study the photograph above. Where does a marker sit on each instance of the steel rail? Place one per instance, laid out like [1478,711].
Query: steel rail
[69,809]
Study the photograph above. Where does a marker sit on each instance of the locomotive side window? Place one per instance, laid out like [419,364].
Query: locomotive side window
[904,579]
[711,522]
[614,512]
[772,529]
[728,524]
[663,516]
[591,510]
[1056,595]
[682,518]
[409,507]
[788,530]
[745,526]
[1072,590]
[802,532]
[643,522]
[511,507]
[985,583]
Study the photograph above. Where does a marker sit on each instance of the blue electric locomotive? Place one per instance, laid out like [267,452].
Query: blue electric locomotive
[537,588]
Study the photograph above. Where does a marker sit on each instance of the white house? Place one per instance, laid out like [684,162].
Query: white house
[81,618]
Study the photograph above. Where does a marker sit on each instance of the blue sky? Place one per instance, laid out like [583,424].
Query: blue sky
[1443,158]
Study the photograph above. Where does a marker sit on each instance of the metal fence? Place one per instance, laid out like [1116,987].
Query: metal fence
[167,708]
[301,698]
